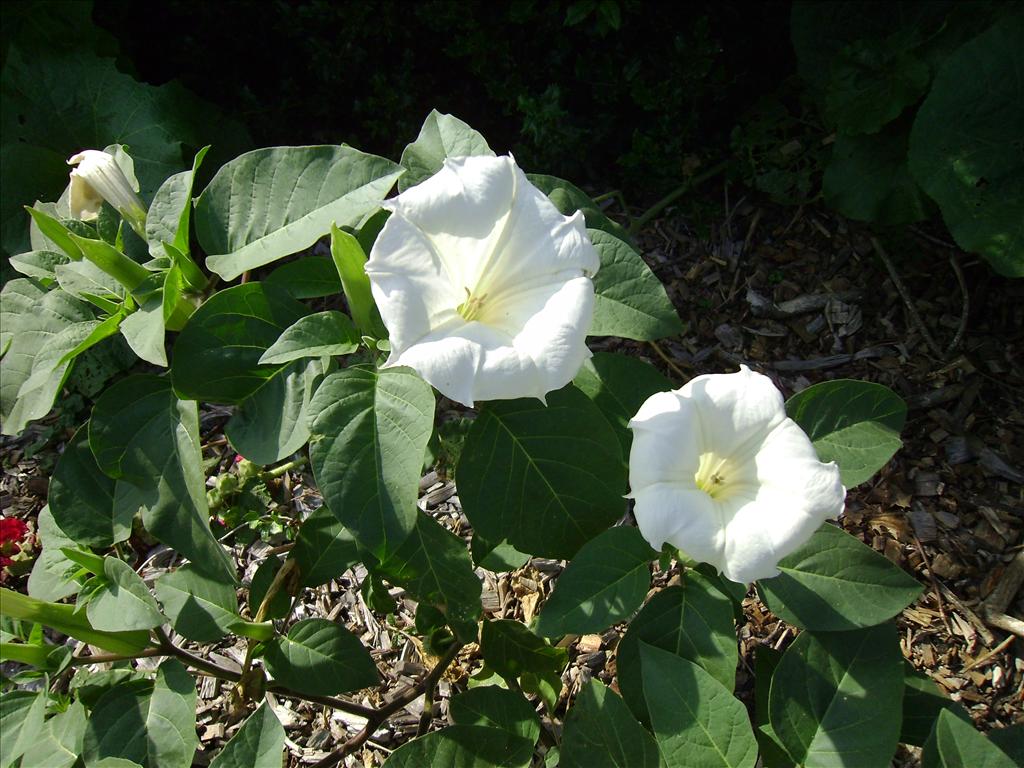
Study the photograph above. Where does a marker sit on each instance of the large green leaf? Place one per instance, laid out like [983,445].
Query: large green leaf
[603,585]
[697,721]
[122,601]
[152,724]
[510,649]
[569,198]
[629,300]
[41,265]
[269,203]
[965,146]
[836,697]
[21,722]
[60,742]
[600,732]
[349,256]
[84,501]
[50,579]
[320,658]
[854,423]
[442,136]
[307,278]
[140,432]
[834,583]
[693,621]
[434,566]
[923,702]
[316,335]
[463,746]
[370,431]
[497,708]
[168,218]
[619,385]
[259,743]
[546,477]
[957,744]
[200,607]
[217,354]
[273,422]
[324,548]
[1010,739]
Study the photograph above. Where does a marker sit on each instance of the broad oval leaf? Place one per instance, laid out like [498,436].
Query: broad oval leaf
[324,548]
[200,608]
[600,732]
[21,720]
[51,577]
[604,584]
[697,721]
[568,198]
[497,708]
[923,702]
[316,335]
[834,583]
[259,743]
[320,658]
[693,621]
[955,743]
[269,203]
[856,424]
[835,698]
[463,746]
[442,136]
[60,742]
[123,602]
[370,431]
[307,278]
[510,649]
[167,220]
[217,353]
[546,477]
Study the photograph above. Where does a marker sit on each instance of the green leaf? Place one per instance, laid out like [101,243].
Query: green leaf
[370,431]
[51,577]
[600,732]
[629,300]
[84,501]
[54,231]
[38,264]
[603,585]
[499,558]
[21,720]
[144,330]
[1009,739]
[259,743]
[546,477]
[836,697]
[64,619]
[694,621]
[269,203]
[200,607]
[128,273]
[957,744]
[152,724]
[280,603]
[168,218]
[123,601]
[84,280]
[310,277]
[217,353]
[324,548]
[442,136]
[29,317]
[497,708]
[856,424]
[350,263]
[569,198]
[273,422]
[966,145]
[316,335]
[463,746]
[923,701]
[320,658]
[433,565]
[867,178]
[510,649]
[619,385]
[60,741]
[142,433]
[834,583]
[697,721]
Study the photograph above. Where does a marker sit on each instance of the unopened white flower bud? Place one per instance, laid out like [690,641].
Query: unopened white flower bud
[97,177]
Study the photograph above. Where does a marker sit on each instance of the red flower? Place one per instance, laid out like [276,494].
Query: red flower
[12,531]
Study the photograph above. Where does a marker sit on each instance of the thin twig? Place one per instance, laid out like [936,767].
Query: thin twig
[645,218]
[965,311]
[106,658]
[905,295]
[668,360]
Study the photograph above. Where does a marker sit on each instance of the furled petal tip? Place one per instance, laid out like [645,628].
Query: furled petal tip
[96,177]
[483,284]
[719,471]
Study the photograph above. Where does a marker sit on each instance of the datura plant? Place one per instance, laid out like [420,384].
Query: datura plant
[297,311]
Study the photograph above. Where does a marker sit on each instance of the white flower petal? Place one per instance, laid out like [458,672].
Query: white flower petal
[665,417]
[97,177]
[671,513]
[788,462]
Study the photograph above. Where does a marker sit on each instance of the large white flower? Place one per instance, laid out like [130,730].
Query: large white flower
[483,284]
[718,470]
[97,177]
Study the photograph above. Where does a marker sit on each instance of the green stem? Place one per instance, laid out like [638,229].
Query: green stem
[644,219]
[276,472]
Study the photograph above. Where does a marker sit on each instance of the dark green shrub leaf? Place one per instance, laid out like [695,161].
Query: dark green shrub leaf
[500,558]
[258,744]
[463,746]
[370,431]
[923,701]
[600,732]
[956,743]
[604,584]
[510,649]
[317,335]
[569,198]
[1011,740]
[217,354]
[269,203]
[836,697]
[320,658]
[50,579]
[496,707]
[697,721]
[693,621]
[167,220]
[547,477]
[834,583]
[324,548]
[123,601]
[307,278]
[856,424]
[21,720]
[60,742]
[261,581]
[200,607]
[442,136]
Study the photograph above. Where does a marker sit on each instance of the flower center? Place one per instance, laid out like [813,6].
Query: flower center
[470,309]
[713,475]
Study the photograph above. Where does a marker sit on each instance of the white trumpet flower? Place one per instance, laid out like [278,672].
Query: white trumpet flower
[719,471]
[97,177]
[483,284]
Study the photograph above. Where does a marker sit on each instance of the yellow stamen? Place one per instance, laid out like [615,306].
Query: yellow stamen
[471,307]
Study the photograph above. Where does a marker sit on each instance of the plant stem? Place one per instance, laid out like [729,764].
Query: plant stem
[276,472]
[645,218]
[104,658]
